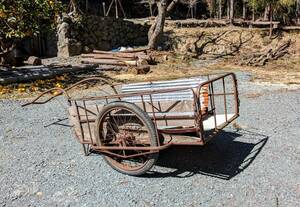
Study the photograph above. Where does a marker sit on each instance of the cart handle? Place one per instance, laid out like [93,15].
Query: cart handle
[64,91]
[35,101]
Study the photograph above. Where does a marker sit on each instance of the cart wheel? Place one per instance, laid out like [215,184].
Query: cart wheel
[125,124]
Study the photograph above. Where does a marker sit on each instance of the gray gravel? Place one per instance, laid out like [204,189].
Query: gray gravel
[258,165]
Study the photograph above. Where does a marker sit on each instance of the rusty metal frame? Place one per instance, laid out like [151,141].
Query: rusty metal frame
[198,117]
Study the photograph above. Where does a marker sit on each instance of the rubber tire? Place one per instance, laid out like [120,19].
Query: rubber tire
[152,158]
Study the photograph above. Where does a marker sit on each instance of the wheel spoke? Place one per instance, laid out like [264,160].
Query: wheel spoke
[123,127]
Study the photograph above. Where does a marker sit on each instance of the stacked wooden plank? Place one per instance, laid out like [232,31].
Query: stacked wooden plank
[123,58]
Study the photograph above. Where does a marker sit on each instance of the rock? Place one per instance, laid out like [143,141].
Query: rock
[104,33]
[87,49]
[143,69]
[104,45]
[98,34]
[51,45]
[39,194]
[75,48]
[32,60]
[73,33]
[62,43]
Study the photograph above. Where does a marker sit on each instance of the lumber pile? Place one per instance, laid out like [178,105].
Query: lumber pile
[261,58]
[136,57]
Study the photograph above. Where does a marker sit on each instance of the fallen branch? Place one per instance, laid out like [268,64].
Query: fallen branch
[261,58]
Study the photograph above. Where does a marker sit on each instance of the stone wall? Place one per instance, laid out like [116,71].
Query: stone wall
[102,33]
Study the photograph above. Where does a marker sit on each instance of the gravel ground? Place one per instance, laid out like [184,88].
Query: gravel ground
[257,165]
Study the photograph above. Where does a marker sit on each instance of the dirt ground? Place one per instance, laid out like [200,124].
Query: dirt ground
[186,60]
[283,71]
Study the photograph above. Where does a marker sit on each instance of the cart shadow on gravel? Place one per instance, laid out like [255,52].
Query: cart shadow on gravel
[225,157]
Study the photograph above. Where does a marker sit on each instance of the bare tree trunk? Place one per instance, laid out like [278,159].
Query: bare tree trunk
[244,9]
[228,9]
[271,21]
[253,14]
[212,8]
[220,9]
[298,12]
[231,13]
[154,25]
[169,9]
[267,12]
[156,30]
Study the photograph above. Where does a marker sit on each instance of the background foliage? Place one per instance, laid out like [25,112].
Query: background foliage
[19,18]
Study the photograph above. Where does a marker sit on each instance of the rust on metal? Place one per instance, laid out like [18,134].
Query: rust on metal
[174,108]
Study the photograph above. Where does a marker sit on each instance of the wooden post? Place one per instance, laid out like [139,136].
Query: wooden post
[104,10]
[267,12]
[220,9]
[116,7]
[271,21]
[298,12]
[187,14]
[228,9]
[244,9]
[86,5]
[231,13]
[109,8]
[116,3]
[121,7]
